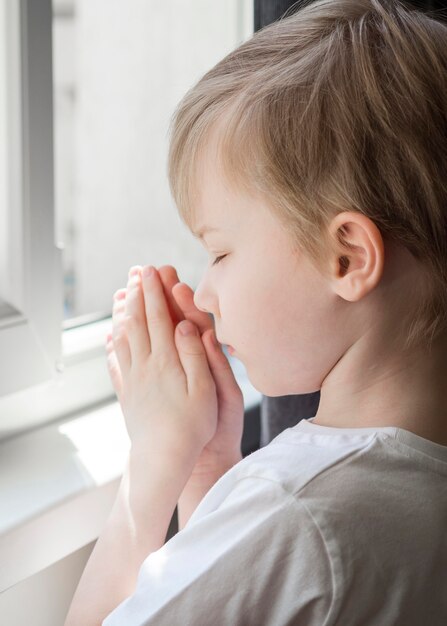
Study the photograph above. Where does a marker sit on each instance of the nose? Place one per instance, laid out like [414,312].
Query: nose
[204,298]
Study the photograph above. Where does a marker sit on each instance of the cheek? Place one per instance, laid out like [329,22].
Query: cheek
[293,344]
[263,290]
[258,309]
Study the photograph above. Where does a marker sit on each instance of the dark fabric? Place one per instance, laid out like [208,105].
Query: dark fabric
[282,412]
[268,11]
[429,5]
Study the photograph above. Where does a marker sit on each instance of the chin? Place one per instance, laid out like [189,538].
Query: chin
[276,389]
[269,388]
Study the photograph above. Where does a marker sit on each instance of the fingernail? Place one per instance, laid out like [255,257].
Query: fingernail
[214,339]
[187,328]
[148,271]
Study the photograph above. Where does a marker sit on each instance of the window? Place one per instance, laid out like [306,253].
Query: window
[113,74]
[30,341]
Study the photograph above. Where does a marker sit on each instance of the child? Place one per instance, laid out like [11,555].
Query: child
[312,163]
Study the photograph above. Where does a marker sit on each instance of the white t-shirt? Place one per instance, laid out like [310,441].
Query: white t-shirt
[322,526]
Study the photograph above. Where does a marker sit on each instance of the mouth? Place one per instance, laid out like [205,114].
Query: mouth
[230,349]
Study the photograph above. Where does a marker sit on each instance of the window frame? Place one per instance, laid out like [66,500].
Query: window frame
[49,372]
[29,332]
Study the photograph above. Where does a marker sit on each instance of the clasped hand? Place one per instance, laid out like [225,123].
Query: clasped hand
[177,392]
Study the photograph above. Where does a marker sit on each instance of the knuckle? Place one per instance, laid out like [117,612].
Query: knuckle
[155,319]
[116,326]
[131,322]
[193,351]
[119,335]
[118,306]
[163,363]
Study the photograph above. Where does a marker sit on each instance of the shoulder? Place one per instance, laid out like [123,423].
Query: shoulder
[279,475]
[295,460]
[257,557]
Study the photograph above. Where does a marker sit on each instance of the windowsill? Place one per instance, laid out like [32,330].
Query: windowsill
[58,483]
[83,381]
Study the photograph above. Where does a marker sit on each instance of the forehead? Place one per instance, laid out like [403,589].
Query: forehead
[221,204]
[217,202]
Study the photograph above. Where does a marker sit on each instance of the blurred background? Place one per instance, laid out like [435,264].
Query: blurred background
[119,69]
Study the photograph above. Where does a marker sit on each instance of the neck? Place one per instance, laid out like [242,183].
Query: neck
[405,392]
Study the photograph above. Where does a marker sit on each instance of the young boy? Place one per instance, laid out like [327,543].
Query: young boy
[311,161]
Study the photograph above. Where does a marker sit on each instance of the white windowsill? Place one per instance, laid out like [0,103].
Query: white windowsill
[58,483]
[57,487]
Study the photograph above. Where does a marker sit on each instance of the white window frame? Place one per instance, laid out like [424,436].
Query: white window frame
[45,372]
[30,343]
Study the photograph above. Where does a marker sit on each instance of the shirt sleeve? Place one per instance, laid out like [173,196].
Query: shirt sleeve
[257,559]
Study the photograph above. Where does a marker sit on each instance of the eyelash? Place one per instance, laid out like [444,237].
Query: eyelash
[218,259]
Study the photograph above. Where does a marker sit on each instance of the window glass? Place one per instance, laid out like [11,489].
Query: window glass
[119,70]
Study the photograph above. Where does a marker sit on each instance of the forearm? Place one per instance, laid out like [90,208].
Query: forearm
[198,485]
[137,525]
[190,498]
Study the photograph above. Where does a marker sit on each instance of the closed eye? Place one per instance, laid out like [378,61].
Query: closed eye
[218,259]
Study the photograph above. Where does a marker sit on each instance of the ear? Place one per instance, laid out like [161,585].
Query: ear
[358,267]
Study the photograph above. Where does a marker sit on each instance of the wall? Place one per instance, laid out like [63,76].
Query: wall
[43,599]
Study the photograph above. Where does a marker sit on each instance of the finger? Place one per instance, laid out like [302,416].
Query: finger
[184,296]
[113,367]
[120,294]
[226,385]
[135,318]
[119,335]
[109,343]
[229,396]
[192,355]
[169,278]
[159,322]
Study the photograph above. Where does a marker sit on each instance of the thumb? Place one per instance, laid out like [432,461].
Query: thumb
[227,387]
[192,354]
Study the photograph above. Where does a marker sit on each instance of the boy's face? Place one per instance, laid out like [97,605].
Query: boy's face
[269,303]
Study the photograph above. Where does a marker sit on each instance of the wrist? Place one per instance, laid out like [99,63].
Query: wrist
[161,467]
[165,454]
[209,468]
[207,471]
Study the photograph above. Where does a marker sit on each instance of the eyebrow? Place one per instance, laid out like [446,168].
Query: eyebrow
[204,229]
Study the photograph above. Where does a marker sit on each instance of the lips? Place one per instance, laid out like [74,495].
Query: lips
[230,349]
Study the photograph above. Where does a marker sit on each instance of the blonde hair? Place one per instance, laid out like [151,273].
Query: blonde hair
[339,106]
